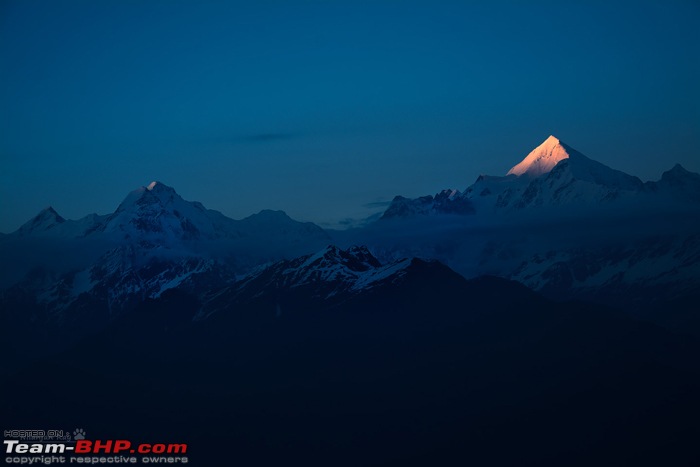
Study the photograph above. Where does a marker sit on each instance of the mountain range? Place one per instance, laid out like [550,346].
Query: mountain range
[545,317]
[554,175]
[558,222]
[562,224]
[156,213]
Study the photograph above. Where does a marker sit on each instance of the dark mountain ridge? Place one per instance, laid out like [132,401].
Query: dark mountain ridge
[294,363]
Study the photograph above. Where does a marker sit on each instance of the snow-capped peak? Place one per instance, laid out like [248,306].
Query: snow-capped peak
[542,159]
[356,258]
[45,220]
[159,187]
[677,170]
[679,183]
[158,211]
[50,213]
[332,268]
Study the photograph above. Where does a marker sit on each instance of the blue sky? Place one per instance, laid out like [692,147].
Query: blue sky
[324,109]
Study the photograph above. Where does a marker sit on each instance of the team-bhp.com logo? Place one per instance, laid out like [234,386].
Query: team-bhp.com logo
[84,446]
[35,447]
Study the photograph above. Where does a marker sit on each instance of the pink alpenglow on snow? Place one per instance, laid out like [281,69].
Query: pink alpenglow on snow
[542,159]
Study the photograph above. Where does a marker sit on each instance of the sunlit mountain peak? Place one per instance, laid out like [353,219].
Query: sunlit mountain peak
[542,159]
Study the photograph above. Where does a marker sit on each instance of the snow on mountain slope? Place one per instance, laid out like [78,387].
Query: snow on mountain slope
[555,214]
[155,241]
[678,184]
[48,223]
[553,174]
[445,202]
[120,280]
[47,219]
[611,256]
[655,268]
[488,190]
[352,269]
[543,158]
[158,212]
[330,274]
[583,182]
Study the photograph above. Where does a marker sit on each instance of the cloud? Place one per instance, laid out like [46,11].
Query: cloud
[267,137]
[351,222]
[376,204]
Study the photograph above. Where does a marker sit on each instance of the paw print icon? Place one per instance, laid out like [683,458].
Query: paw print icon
[79,433]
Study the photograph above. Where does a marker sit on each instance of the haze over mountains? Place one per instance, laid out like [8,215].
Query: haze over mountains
[433,332]
[559,222]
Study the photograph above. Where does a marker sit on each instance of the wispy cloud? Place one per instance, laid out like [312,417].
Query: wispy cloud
[266,137]
[351,222]
[376,204]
